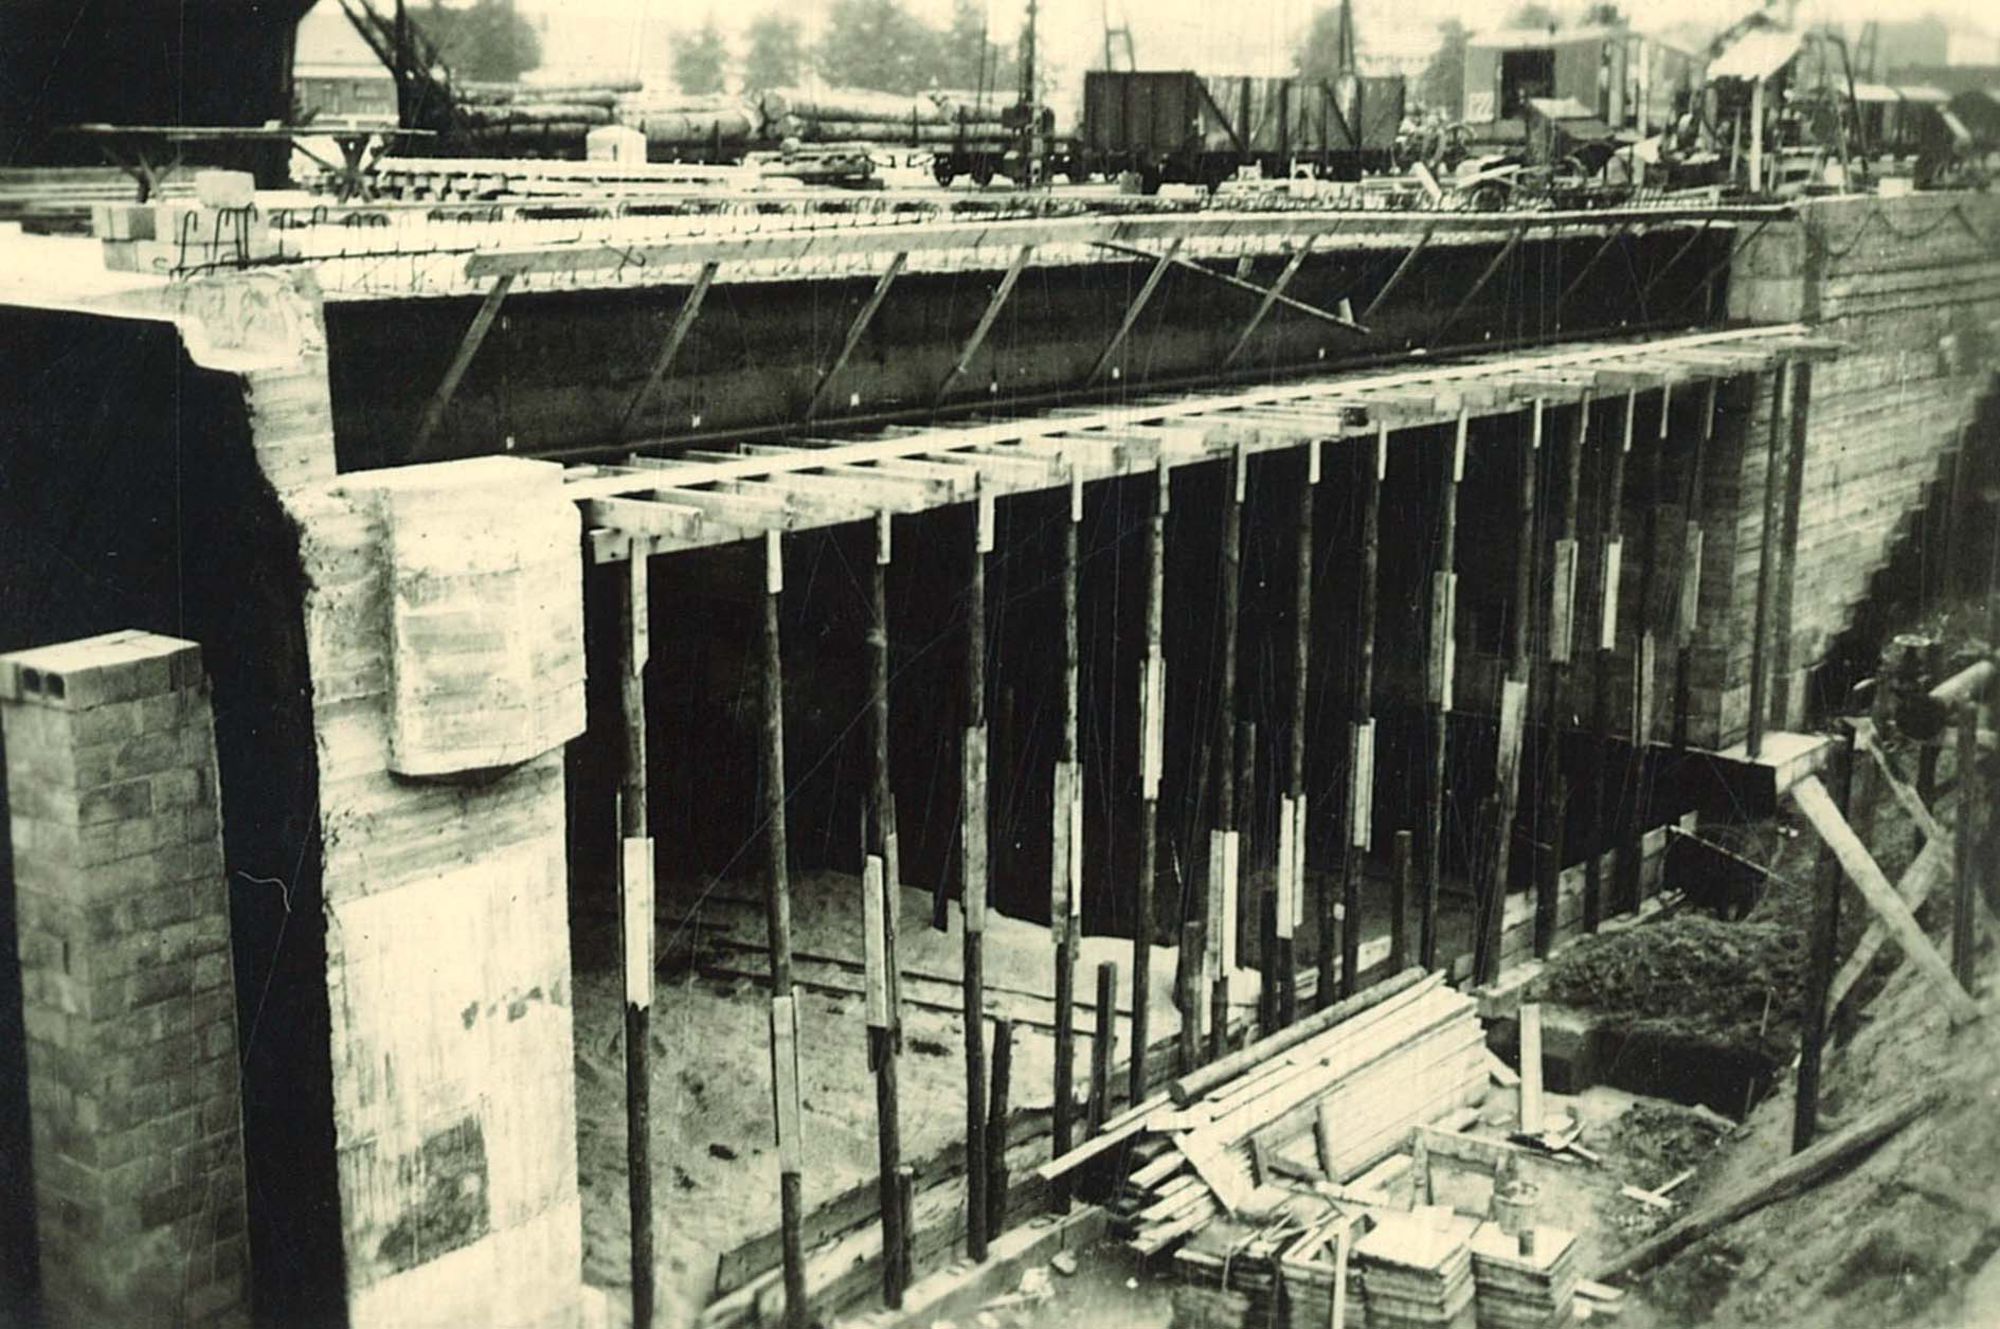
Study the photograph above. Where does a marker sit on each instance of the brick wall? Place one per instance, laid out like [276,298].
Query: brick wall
[123,923]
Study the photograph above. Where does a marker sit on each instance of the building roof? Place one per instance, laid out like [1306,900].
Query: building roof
[1514,39]
[1757,54]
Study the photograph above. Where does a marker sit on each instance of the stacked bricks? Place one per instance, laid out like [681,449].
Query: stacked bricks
[128,996]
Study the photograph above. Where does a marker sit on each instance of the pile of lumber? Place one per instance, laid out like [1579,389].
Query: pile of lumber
[1409,1058]
[1417,1270]
[1312,1267]
[1228,1275]
[1524,1291]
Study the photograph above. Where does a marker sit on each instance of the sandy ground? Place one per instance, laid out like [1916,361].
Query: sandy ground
[715,1162]
[714,1158]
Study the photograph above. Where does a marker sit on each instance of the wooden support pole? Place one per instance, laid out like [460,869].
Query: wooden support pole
[1768,554]
[1103,1040]
[778,923]
[1402,270]
[1187,995]
[635,912]
[1812,799]
[1152,758]
[1971,812]
[855,331]
[987,319]
[882,1058]
[1824,943]
[1269,302]
[996,1128]
[1673,261]
[1610,564]
[1067,834]
[1531,1068]
[1223,842]
[1631,796]
[1243,878]
[1443,650]
[1486,275]
[1590,266]
[1267,962]
[1144,297]
[684,319]
[1402,856]
[1358,833]
[475,336]
[1687,615]
[1561,651]
[1292,808]
[973,882]
[883,896]
[1515,694]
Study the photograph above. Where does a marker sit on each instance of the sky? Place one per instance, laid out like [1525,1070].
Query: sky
[626,37]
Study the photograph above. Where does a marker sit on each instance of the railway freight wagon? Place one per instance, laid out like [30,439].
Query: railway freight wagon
[1627,80]
[1180,127]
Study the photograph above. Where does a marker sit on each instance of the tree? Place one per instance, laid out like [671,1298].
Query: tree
[972,61]
[878,44]
[1603,16]
[1533,15]
[1442,87]
[487,41]
[1329,46]
[775,52]
[699,57]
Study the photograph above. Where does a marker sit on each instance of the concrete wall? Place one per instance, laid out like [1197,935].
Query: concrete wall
[1911,287]
[123,918]
[447,951]
[423,1055]
[560,368]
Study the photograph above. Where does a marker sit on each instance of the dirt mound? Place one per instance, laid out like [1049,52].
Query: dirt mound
[1907,1237]
[1689,975]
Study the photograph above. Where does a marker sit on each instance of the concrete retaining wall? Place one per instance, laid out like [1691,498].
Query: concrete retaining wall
[1911,286]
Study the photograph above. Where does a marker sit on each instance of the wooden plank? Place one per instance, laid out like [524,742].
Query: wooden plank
[645,518]
[856,330]
[1134,310]
[461,360]
[670,349]
[1531,1068]
[1269,302]
[900,443]
[994,304]
[1407,986]
[1812,799]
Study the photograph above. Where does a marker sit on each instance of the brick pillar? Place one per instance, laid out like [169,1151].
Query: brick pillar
[128,996]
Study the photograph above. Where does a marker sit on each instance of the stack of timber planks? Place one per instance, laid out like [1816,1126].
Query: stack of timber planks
[1310,1267]
[1228,1275]
[1517,1291]
[1407,1061]
[1417,1270]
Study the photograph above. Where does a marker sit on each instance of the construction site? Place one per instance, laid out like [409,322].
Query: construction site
[1300,728]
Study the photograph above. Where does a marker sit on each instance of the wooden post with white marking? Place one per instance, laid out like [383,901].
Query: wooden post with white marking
[635,913]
